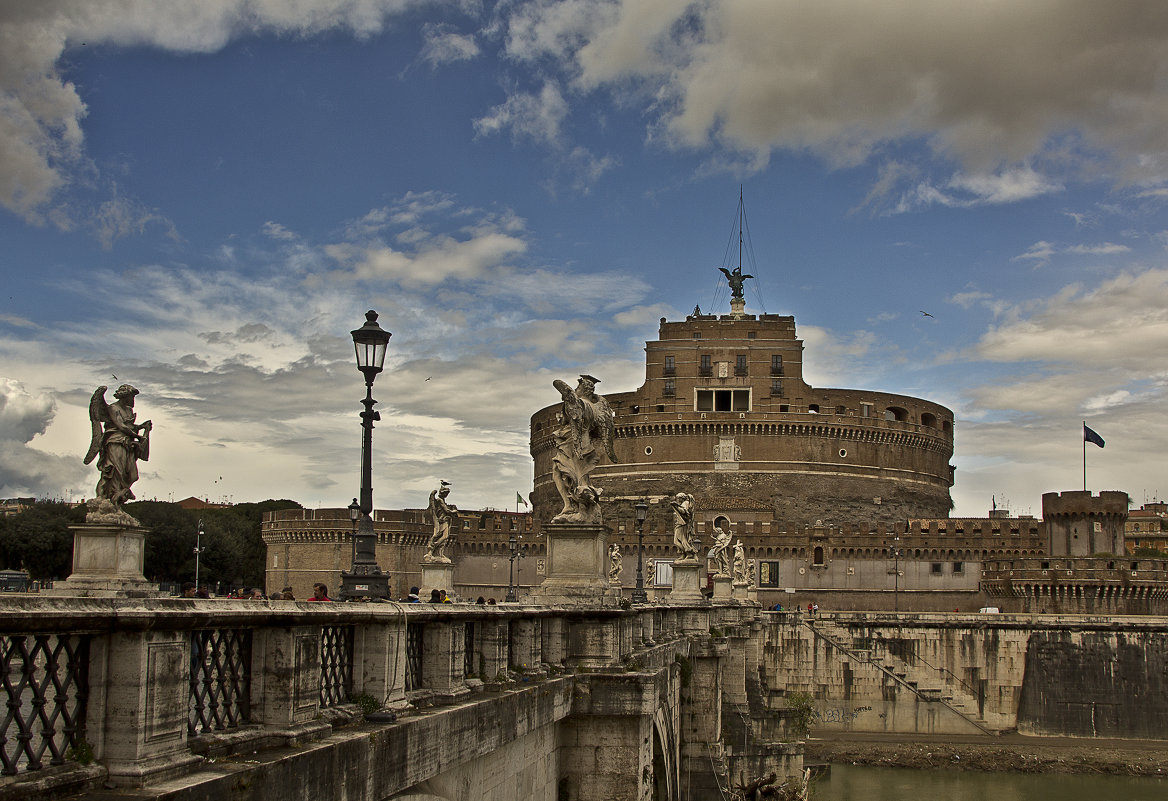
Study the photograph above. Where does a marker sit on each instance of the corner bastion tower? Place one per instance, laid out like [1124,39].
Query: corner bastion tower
[725,415]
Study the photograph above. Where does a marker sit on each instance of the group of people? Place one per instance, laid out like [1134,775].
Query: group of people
[438,596]
[319,593]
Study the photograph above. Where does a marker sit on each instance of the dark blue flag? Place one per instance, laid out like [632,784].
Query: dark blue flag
[1091,436]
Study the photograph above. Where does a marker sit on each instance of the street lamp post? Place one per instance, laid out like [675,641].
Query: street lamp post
[365,579]
[518,551]
[198,552]
[639,595]
[895,554]
[354,518]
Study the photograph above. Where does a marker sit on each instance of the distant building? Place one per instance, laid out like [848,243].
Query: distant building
[1147,528]
[14,506]
[199,503]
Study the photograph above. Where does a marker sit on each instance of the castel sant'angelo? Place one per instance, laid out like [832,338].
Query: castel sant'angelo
[725,415]
[839,497]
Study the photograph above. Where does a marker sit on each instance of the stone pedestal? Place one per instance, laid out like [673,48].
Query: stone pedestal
[107,563]
[687,587]
[436,576]
[577,566]
[738,591]
[723,589]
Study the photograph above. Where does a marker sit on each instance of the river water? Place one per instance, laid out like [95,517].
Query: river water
[856,783]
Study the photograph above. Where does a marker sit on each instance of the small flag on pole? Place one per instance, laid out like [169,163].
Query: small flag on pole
[1091,436]
[519,498]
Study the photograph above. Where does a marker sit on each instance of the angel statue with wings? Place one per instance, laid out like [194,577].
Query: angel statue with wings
[586,430]
[736,279]
[118,443]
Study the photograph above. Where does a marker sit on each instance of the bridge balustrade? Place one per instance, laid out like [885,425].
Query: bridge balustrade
[150,686]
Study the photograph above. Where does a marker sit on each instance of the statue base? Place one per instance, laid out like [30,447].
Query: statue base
[738,591]
[723,589]
[436,576]
[107,563]
[688,578]
[577,567]
[737,308]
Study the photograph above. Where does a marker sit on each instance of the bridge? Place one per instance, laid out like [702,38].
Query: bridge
[193,698]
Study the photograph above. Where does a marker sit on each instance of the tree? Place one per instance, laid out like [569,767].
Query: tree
[38,539]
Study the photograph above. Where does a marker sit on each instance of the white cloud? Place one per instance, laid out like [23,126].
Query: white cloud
[992,84]
[441,44]
[1042,251]
[26,470]
[537,117]
[41,139]
[1102,249]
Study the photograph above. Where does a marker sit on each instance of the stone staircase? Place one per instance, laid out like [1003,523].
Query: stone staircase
[927,682]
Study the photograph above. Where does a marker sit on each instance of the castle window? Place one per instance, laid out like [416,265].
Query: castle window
[722,400]
[895,413]
[935,568]
[706,368]
[776,364]
[817,555]
[959,568]
[776,387]
[768,574]
[813,408]
[928,420]
[670,387]
[784,407]
[697,334]
[750,334]
[740,365]
[841,410]
[670,366]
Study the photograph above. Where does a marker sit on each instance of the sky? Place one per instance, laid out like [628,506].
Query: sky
[202,199]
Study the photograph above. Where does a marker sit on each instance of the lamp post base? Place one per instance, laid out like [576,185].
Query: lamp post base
[358,585]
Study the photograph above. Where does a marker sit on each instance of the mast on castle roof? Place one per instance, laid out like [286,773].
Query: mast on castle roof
[736,278]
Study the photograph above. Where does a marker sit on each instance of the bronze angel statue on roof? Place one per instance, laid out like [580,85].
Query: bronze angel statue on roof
[586,430]
[118,443]
[736,279]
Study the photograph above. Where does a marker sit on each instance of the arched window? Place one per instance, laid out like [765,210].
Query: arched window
[896,413]
[817,555]
[929,420]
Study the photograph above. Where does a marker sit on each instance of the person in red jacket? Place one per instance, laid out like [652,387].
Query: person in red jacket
[319,593]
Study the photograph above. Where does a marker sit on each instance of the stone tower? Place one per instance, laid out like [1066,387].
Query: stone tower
[1082,524]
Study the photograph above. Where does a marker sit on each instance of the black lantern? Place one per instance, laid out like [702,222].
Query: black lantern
[365,579]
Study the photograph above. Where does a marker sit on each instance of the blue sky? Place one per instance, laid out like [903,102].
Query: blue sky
[203,198]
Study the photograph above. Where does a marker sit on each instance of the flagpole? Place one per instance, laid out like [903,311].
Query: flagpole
[1083,434]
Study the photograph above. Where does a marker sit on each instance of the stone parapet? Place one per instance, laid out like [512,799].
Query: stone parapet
[501,696]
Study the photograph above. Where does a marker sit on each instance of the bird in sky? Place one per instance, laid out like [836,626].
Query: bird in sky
[429,377]
[927,314]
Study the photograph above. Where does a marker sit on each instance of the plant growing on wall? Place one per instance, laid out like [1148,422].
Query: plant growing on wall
[800,714]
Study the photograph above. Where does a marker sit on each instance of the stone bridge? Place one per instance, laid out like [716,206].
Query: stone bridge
[1072,675]
[196,699]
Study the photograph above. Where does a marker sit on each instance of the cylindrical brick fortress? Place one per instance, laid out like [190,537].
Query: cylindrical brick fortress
[724,414]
